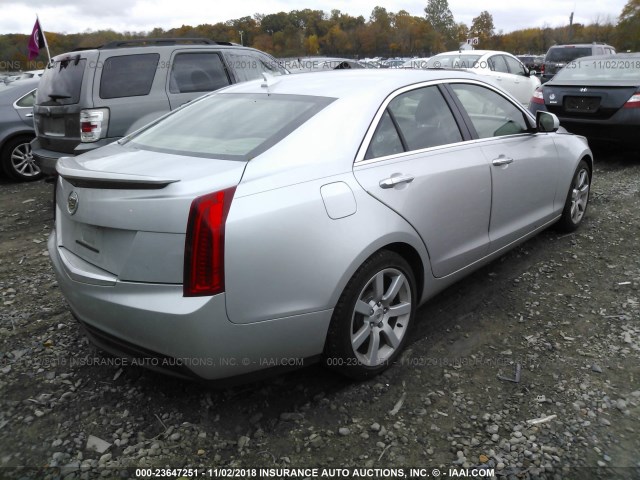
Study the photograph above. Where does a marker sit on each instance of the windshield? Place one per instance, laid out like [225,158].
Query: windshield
[61,82]
[566,54]
[601,70]
[453,61]
[229,126]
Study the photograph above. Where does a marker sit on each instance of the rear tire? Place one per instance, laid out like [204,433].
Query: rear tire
[372,320]
[17,160]
[577,200]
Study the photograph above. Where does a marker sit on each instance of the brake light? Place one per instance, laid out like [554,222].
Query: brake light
[633,102]
[204,244]
[92,122]
[542,68]
[538,97]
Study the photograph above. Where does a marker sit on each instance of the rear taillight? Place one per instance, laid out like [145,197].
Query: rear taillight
[538,97]
[542,68]
[634,101]
[204,245]
[92,123]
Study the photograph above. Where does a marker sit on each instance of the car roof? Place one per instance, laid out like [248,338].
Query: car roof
[472,52]
[16,89]
[347,83]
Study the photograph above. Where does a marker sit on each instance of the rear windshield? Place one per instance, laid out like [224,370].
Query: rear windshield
[453,61]
[61,82]
[229,126]
[601,70]
[566,54]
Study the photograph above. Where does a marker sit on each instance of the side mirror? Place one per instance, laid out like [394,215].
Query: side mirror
[533,72]
[546,121]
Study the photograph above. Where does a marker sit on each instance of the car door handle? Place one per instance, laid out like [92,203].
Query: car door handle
[29,115]
[395,180]
[501,161]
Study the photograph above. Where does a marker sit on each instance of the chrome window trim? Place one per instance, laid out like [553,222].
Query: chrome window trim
[364,145]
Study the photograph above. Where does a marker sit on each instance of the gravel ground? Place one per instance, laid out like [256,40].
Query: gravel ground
[561,312]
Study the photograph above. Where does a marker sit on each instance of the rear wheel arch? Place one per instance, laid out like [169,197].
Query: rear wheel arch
[414,260]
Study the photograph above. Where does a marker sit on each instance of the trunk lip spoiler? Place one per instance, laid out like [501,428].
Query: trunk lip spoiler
[81,177]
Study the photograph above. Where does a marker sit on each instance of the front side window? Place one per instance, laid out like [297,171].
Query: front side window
[492,115]
[228,126]
[414,120]
[498,64]
[197,72]
[515,67]
[128,75]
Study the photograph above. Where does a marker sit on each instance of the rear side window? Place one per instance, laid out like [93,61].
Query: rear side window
[414,120]
[61,82]
[27,101]
[197,72]
[128,75]
[251,66]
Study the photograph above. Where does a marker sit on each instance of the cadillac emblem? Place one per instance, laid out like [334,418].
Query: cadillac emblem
[72,203]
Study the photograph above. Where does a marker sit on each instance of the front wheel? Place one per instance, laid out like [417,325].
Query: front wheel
[577,199]
[371,321]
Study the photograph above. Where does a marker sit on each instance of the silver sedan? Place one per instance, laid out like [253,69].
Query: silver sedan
[282,221]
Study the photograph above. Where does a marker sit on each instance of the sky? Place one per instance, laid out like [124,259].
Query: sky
[75,16]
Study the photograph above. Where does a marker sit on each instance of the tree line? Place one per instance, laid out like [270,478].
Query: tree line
[314,32]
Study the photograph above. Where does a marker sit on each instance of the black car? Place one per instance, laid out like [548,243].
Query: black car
[598,97]
[560,55]
[532,62]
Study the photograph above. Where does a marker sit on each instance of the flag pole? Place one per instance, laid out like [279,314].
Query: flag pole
[44,37]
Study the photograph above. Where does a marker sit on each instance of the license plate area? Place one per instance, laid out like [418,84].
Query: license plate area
[581,104]
[54,127]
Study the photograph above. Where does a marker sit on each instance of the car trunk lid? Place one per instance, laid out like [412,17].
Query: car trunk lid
[115,215]
[597,102]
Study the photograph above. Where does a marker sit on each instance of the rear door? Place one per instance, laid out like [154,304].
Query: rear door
[418,163]
[62,93]
[194,73]
[523,163]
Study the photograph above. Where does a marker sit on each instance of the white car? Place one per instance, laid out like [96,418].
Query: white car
[502,68]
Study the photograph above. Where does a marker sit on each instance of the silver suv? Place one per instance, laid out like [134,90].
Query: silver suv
[89,98]
[559,55]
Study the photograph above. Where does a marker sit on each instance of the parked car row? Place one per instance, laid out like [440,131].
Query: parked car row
[240,186]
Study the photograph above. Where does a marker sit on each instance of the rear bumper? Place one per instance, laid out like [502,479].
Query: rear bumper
[184,336]
[47,159]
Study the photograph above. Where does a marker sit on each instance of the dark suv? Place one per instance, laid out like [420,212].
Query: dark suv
[89,98]
[559,55]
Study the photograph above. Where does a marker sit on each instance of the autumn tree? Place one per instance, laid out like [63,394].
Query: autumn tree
[441,19]
[628,30]
[483,28]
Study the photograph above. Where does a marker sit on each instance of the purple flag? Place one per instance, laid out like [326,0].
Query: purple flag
[36,42]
